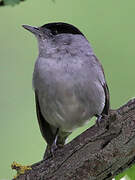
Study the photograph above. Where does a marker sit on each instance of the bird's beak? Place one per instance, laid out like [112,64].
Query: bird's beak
[34,30]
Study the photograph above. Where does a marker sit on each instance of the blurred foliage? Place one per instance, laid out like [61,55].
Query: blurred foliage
[130,173]
[10,2]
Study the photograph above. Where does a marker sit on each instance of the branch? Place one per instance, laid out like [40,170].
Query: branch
[97,154]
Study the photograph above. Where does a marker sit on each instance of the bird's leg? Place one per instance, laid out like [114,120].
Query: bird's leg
[47,153]
[54,144]
[99,119]
[50,149]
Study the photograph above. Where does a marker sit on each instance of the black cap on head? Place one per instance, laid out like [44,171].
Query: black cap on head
[60,28]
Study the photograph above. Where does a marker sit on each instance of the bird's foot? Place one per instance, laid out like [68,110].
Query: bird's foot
[50,150]
[47,153]
[98,121]
[103,121]
[54,144]
[54,147]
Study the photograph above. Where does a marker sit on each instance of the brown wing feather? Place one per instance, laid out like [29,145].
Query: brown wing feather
[43,124]
[106,90]
[107,100]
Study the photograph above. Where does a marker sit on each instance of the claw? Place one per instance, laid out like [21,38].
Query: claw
[50,151]
[54,145]
[99,119]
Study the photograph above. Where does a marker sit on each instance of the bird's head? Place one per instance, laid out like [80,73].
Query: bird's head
[52,29]
[57,34]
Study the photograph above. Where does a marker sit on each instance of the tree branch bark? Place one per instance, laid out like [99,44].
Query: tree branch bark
[100,153]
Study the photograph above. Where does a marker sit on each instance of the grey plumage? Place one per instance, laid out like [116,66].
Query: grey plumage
[68,80]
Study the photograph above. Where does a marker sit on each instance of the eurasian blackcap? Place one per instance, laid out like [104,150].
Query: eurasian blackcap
[68,80]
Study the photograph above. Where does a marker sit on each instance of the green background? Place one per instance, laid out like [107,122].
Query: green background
[110,27]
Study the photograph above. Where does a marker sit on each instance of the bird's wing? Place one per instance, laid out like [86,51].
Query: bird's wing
[106,90]
[107,100]
[45,128]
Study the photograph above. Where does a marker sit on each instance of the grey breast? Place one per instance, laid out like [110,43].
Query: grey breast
[69,85]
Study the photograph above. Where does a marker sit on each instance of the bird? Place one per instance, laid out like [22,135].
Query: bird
[68,81]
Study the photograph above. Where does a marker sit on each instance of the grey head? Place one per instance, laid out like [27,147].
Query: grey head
[56,34]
